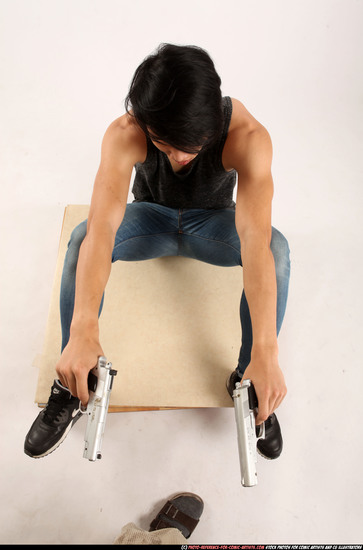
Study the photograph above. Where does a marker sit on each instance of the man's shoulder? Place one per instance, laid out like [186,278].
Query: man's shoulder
[246,137]
[124,136]
[243,123]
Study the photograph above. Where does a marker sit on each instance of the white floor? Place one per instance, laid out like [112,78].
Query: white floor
[53,126]
[311,494]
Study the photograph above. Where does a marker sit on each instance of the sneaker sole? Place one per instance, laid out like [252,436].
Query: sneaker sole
[49,451]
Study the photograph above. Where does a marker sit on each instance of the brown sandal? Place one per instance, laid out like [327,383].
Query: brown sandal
[182,512]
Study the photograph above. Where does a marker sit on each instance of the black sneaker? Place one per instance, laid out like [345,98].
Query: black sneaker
[53,423]
[271,445]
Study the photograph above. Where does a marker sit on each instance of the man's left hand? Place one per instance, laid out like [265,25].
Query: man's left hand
[269,382]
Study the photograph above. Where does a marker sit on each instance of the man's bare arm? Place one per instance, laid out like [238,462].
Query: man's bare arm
[121,149]
[250,153]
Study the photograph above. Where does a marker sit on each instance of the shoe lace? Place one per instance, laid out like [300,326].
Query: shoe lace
[53,409]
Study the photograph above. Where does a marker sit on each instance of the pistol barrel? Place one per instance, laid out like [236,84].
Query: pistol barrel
[246,434]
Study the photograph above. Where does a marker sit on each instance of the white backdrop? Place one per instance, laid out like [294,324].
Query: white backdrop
[65,69]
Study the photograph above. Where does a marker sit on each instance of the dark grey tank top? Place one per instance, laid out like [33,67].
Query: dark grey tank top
[204,184]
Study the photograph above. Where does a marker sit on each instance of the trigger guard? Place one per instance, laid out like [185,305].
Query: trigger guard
[260,431]
[83,409]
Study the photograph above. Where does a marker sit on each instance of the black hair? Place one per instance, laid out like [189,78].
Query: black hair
[175,97]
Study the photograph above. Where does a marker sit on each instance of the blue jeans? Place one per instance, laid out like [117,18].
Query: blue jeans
[150,231]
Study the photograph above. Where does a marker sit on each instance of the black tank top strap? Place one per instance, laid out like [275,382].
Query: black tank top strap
[227,108]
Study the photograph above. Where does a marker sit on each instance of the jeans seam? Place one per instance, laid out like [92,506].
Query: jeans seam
[143,237]
[180,230]
[212,240]
[180,221]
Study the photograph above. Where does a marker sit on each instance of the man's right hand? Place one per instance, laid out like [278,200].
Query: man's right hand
[78,358]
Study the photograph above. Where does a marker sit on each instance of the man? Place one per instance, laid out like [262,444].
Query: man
[187,144]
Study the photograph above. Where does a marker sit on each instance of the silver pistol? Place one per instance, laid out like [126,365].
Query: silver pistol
[245,405]
[100,381]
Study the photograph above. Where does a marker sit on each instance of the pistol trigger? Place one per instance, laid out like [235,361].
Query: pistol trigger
[260,431]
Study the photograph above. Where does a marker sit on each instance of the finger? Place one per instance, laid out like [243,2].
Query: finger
[279,399]
[82,389]
[276,402]
[72,385]
[62,379]
[263,412]
[67,380]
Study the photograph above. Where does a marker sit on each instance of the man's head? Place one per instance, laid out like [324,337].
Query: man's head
[176,99]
